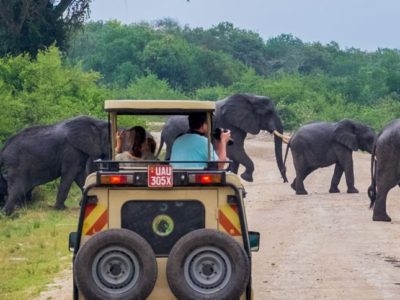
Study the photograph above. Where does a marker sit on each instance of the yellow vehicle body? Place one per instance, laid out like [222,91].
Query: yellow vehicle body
[117,198]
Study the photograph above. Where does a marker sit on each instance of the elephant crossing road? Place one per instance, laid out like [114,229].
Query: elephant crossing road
[241,114]
[321,144]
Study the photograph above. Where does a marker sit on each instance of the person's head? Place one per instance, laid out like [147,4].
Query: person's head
[139,137]
[198,122]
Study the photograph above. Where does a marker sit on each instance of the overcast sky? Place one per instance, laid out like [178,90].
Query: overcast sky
[363,24]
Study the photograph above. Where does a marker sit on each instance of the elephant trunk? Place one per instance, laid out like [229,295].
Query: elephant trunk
[278,148]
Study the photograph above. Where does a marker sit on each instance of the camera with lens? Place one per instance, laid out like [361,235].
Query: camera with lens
[217,135]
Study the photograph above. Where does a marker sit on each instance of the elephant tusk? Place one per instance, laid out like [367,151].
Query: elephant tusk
[284,138]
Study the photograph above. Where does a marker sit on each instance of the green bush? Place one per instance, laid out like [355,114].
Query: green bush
[44,91]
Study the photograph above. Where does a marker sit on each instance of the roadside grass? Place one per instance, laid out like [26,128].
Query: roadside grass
[34,243]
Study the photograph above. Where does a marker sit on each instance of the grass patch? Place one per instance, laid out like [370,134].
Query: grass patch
[34,243]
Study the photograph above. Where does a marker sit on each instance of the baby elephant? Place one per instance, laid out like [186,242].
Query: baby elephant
[322,144]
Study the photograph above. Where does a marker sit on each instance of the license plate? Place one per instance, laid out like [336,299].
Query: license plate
[159,176]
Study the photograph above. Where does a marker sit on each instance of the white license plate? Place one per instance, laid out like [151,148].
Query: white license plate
[159,176]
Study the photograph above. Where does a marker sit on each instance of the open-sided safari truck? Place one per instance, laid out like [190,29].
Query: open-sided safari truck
[159,232]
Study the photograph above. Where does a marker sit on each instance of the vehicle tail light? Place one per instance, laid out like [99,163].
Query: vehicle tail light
[116,179]
[205,178]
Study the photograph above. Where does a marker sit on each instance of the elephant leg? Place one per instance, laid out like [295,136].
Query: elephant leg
[71,167]
[234,167]
[15,194]
[249,165]
[65,185]
[26,198]
[17,190]
[302,171]
[80,182]
[3,191]
[293,184]
[346,161]
[80,179]
[337,175]
[380,213]
[386,179]
[237,154]
[299,167]
[299,181]
[9,206]
[299,185]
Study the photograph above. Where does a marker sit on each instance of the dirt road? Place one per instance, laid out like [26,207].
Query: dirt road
[319,246]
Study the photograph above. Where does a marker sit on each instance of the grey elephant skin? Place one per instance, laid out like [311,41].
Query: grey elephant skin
[321,144]
[242,114]
[385,169]
[39,154]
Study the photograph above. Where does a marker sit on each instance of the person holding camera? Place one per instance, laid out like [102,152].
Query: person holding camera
[193,146]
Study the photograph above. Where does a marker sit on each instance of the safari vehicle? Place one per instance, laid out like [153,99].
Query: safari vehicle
[159,232]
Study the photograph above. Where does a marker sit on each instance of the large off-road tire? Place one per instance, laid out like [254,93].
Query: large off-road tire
[115,264]
[207,264]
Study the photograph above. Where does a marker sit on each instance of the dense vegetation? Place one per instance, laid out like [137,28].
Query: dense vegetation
[307,81]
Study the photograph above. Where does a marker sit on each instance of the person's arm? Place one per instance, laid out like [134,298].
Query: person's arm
[221,147]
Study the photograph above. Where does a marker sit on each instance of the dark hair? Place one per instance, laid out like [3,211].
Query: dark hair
[196,120]
[152,144]
[138,139]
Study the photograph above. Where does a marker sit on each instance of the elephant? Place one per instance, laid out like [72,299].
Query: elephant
[39,154]
[321,144]
[385,169]
[241,114]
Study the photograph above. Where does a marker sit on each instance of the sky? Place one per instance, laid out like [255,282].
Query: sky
[363,24]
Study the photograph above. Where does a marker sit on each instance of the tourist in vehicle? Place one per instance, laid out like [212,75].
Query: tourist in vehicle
[141,147]
[193,145]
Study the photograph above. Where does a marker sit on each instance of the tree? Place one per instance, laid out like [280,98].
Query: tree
[31,25]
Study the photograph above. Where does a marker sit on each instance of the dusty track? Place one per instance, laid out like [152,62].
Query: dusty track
[319,246]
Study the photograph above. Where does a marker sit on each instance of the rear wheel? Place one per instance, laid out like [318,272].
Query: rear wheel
[115,264]
[207,264]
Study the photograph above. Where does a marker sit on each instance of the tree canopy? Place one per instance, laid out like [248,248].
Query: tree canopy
[31,25]
[163,60]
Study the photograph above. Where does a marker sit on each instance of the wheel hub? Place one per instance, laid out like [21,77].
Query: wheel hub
[115,269]
[207,269]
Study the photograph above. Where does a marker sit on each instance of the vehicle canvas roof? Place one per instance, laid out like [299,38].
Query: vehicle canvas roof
[167,107]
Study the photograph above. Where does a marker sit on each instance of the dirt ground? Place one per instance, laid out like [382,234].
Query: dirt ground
[318,246]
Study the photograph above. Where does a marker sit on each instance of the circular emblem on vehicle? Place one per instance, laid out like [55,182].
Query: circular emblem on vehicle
[163,225]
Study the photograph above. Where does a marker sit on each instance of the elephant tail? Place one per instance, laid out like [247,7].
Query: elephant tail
[161,145]
[286,154]
[372,187]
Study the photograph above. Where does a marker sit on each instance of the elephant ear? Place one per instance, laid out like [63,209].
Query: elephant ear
[345,135]
[245,111]
[84,134]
